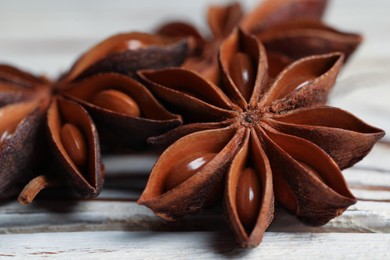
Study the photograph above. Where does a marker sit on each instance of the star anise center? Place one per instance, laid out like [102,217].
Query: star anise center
[251,117]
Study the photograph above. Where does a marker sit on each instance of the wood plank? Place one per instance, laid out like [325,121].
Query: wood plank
[115,209]
[364,178]
[201,245]
[65,215]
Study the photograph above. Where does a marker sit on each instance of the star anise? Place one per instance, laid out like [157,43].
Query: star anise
[257,139]
[221,20]
[128,52]
[289,30]
[63,114]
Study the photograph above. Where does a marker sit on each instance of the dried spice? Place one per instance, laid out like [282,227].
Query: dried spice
[289,30]
[221,20]
[128,52]
[63,114]
[257,139]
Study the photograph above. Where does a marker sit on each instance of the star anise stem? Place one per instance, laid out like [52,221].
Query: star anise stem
[31,190]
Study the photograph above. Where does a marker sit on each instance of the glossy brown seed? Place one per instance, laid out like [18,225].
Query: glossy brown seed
[117,101]
[189,166]
[74,144]
[248,198]
[242,73]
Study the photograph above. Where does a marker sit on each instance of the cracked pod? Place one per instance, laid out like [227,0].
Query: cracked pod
[289,29]
[293,29]
[126,113]
[303,37]
[75,145]
[34,117]
[249,198]
[23,104]
[221,21]
[19,127]
[171,201]
[128,52]
[270,12]
[18,86]
[268,149]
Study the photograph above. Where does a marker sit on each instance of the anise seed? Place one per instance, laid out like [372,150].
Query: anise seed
[74,144]
[117,101]
[186,168]
[248,197]
[241,71]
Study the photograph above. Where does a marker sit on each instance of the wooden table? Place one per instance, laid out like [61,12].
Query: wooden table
[46,36]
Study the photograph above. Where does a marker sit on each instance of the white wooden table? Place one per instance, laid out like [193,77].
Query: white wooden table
[46,36]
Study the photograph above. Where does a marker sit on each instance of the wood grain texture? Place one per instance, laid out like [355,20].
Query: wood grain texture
[66,216]
[47,36]
[201,245]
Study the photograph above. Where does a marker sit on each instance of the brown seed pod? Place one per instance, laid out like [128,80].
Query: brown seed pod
[115,118]
[303,37]
[272,12]
[186,168]
[276,137]
[128,52]
[192,194]
[249,195]
[117,101]
[19,127]
[120,106]
[81,164]
[289,29]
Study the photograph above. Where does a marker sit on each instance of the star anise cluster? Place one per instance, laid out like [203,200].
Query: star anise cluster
[243,117]
[51,127]
[289,30]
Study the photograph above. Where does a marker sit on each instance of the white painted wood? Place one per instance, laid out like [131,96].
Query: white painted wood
[47,36]
[361,177]
[198,245]
[65,215]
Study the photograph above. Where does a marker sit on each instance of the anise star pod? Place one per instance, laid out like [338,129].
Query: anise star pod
[128,52]
[18,130]
[292,29]
[260,139]
[289,30]
[68,127]
[37,112]
[270,12]
[221,20]
[125,112]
